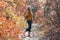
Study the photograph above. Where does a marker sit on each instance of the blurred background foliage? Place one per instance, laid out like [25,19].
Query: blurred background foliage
[45,12]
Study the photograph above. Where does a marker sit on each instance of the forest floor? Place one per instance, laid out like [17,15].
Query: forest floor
[34,33]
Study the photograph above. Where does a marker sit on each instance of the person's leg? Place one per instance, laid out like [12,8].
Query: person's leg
[29,27]
[30,23]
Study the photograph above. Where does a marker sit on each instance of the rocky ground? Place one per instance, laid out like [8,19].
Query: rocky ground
[34,34]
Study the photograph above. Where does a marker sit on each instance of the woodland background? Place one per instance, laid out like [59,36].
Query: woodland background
[45,12]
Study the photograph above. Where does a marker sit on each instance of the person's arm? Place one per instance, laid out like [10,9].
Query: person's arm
[26,15]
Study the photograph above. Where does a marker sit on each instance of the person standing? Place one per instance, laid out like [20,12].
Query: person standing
[28,17]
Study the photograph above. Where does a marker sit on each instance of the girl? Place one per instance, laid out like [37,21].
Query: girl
[28,16]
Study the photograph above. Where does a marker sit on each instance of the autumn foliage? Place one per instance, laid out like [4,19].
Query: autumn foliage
[10,23]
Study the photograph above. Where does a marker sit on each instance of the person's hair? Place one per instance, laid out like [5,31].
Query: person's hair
[29,10]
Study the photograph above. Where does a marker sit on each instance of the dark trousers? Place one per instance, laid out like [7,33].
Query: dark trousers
[29,25]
